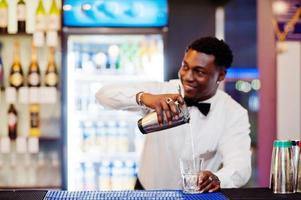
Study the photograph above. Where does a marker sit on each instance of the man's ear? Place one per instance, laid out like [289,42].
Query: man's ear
[222,74]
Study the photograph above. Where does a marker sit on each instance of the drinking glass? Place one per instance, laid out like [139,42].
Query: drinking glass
[190,169]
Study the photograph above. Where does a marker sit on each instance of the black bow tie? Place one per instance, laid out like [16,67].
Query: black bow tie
[203,107]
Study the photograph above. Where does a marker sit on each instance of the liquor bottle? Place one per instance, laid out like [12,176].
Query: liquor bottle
[1,71]
[40,17]
[12,122]
[54,17]
[3,16]
[34,75]
[51,74]
[21,16]
[16,76]
[35,130]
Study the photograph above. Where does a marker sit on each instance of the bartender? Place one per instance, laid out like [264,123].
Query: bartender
[220,129]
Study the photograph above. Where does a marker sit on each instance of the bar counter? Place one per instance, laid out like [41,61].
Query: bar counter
[231,194]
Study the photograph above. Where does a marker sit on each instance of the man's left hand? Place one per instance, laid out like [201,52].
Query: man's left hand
[208,182]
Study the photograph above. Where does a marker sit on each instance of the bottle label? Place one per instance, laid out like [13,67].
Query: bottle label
[16,79]
[33,79]
[51,79]
[34,120]
[3,17]
[21,12]
[12,119]
[54,22]
[40,23]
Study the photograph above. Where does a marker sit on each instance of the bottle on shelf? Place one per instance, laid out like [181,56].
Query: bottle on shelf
[1,70]
[21,16]
[40,17]
[55,178]
[51,74]
[12,122]
[35,130]
[3,16]
[54,17]
[34,75]
[16,76]
[40,25]
[41,170]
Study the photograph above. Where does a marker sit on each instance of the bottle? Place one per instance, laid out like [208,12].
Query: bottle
[21,16]
[1,71]
[35,130]
[51,74]
[34,75]
[3,16]
[40,17]
[54,17]
[16,76]
[42,175]
[12,122]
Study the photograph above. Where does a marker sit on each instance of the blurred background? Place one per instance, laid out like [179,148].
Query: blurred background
[55,54]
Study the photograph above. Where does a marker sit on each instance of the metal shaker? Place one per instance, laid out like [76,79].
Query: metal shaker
[295,153]
[298,181]
[282,168]
[149,123]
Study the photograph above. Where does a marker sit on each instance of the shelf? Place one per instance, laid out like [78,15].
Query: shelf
[113,77]
[49,138]
[16,34]
[95,157]
[29,187]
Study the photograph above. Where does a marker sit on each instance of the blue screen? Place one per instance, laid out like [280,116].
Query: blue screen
[115,13]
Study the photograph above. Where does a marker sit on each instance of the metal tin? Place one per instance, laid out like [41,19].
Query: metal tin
[282,168]
[149,123]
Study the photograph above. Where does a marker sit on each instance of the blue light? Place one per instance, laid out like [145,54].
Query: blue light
[116,13]
[242,73]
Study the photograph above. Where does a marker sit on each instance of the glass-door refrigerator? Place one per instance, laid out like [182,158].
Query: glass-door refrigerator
[105,42]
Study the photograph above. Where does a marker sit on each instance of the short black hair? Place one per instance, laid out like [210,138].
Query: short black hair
[213,46]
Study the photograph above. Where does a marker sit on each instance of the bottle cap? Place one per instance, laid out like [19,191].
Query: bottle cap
[282,143]
[295,142]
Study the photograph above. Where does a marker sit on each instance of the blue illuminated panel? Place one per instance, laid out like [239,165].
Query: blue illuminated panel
[242,73]
[115,13]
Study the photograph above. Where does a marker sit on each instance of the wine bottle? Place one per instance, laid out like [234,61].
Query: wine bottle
[51,74]
[21,16]
[1,71]
[3,16]
[40,17]
[34,75]
[54,17]
[12,122]
[16,76]
[35,130]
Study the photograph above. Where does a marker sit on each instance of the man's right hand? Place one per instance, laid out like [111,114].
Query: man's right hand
[163,104]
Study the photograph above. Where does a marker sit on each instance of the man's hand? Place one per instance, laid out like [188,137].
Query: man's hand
[208,182]
[163,104]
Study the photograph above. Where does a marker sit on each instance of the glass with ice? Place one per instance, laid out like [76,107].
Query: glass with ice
[190,169]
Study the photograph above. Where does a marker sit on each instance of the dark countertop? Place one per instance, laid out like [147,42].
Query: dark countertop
[232,194]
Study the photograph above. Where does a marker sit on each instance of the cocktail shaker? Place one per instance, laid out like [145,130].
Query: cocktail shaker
[282,167]
[295,153]
[149,123]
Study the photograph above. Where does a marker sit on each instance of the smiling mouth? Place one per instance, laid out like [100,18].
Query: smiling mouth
[189,87]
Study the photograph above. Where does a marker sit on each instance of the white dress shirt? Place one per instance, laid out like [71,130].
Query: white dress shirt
[221,138]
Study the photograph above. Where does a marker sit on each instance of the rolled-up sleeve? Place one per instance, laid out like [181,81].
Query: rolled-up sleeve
[234,147]
[123,96]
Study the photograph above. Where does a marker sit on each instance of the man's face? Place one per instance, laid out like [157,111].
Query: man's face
[199,75]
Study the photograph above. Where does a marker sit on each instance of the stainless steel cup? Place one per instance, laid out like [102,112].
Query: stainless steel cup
[295,154]
[298,181]
[282,168]
[149,123]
